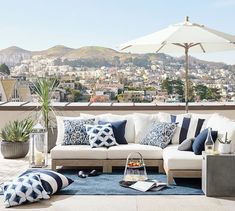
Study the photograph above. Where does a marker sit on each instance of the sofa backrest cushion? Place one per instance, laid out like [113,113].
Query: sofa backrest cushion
[96,117]
[143,123]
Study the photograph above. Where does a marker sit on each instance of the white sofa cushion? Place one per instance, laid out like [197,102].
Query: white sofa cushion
[122,151]
[175,159]
[78,152]
[143,123]
[96,117]
[223,125]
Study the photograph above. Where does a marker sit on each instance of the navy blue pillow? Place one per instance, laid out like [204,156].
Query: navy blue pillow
[198,144]
[118,130]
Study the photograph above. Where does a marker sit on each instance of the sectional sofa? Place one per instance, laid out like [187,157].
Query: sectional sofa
[170,160]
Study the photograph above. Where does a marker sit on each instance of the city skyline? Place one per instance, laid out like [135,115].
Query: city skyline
[105,23]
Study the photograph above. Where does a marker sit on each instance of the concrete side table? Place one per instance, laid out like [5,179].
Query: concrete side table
[218,175]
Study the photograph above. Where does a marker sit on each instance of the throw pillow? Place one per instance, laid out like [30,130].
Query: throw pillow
[60,127]
[198,144]
[51,181]
[166,117]
[187,127]
[101,135]
[27,188]
[159,134]
[186,145]
[75,132]
[118,130]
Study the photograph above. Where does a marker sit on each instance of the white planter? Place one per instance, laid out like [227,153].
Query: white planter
[224,148]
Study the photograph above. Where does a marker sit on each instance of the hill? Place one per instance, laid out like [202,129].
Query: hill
[95,56]
[56,51]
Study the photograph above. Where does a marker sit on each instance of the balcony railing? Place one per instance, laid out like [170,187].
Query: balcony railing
[80,106]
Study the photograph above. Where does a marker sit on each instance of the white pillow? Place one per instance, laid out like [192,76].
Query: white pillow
[143,123]
[223,125]
[96,117]
[130,125]
[166,117]
[60,127]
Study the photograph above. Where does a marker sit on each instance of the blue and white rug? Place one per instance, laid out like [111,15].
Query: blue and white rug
[108,184]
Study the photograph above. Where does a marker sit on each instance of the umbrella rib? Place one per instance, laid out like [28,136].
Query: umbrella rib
[126,47]
[161,47]
[203,49]
[181,45]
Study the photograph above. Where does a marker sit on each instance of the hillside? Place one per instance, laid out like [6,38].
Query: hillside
[56,51]
[95,56]
[13,55]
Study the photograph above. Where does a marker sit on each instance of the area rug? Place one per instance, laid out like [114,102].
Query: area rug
[108,184]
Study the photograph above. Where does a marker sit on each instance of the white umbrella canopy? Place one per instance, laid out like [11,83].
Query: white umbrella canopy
[182,38]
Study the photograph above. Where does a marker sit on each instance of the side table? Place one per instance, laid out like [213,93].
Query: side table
[218,174]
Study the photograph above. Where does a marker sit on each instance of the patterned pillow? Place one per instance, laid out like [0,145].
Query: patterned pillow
[101,135]
[75,132]
[27,188]
[51,181]
[159,134]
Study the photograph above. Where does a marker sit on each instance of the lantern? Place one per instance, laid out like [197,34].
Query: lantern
[135,168]
[38,147]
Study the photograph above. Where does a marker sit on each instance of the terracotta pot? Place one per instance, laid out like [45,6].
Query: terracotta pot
[13,150]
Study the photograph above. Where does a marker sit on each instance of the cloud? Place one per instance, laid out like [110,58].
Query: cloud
[224,3]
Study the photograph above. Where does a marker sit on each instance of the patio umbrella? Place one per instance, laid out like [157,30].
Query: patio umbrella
[182,38]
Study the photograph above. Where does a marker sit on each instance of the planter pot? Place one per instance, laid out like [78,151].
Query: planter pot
[52,135]
[13,150]
[224,148]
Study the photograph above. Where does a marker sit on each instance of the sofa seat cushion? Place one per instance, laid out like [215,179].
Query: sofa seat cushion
[122,151]
[78,152]
[175,159]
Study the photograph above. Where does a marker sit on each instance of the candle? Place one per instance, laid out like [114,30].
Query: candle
[38,158]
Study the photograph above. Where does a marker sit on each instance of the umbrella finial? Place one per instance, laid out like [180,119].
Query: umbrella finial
[186,19]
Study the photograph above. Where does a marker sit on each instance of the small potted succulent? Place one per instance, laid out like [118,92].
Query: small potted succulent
[15,138]
[224,145]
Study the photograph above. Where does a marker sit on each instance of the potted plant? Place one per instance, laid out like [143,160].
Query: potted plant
[15,138]
[44,88]
[224,145]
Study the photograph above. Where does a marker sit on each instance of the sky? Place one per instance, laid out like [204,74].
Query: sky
[41,24]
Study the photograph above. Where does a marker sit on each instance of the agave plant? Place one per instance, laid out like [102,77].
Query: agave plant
[225,140]
[17,131]
[44,88]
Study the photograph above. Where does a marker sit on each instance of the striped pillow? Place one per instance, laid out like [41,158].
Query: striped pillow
[186,128]
[51,181]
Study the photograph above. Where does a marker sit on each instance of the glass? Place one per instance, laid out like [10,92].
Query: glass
[209,143]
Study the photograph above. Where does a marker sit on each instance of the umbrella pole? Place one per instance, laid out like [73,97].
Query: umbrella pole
[186,77]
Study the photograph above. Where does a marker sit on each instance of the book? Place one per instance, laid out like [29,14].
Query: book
[144,186]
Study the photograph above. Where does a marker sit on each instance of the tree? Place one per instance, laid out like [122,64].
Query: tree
[213,94]
[4,69]
[167,85]
[201,91]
